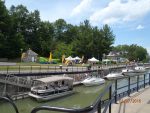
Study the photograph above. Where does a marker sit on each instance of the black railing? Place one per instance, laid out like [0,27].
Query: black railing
[9,100]
[99,103]
[24,70]
[90,109]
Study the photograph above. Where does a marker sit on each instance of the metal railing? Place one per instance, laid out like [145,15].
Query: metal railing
[7,99]
[14,80]
[89,109]
[99,103]
[38,69]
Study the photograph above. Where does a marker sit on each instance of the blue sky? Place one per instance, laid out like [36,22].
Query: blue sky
[129,19]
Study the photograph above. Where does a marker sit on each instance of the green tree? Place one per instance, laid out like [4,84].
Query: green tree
[132,52]
[62,49]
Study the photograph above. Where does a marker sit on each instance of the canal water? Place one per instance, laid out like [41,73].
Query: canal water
[83,97]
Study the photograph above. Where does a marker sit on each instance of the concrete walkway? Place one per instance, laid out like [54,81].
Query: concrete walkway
[136,103]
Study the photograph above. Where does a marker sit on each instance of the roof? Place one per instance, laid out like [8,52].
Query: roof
[30,52]
[113,53]
[69,58]
[53,79]
[93,60]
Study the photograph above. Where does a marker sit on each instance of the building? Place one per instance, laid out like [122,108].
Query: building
[116,56]
[29,56]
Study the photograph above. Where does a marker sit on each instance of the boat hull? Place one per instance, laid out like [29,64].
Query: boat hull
[93,81]
[93,84]
[50,97]
[114,76]
[132,73]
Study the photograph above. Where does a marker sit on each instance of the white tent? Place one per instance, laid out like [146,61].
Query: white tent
[69,58]
[106,61]
[77,58]
[93,60]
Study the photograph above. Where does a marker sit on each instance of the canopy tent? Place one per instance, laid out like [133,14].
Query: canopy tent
[69,58]
[77,58]
[93,60]
[106,61]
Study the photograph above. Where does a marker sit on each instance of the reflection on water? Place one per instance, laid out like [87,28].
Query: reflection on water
[83,97]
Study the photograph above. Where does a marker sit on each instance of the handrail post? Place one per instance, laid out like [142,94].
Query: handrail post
[7,69]
[129,86]
[99,107]
[40,68]
[149,78]
[48,69]
[116,91]
[137,83]
[31,68]
[110,91]
[144,80]
[19,69]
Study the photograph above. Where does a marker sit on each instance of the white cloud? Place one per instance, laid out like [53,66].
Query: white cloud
[119,11]
[139,27]
[84,5]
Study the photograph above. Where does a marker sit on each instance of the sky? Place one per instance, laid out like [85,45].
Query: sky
[129,19]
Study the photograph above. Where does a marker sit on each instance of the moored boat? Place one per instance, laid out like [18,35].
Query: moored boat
[128,72]
[92,81]
[51,87]
[140,69]
[114,75]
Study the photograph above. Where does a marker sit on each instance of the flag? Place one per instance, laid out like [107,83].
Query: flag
[50,57]
[63,58]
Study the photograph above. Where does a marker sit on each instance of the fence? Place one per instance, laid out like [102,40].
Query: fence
[39,69]
[114,96]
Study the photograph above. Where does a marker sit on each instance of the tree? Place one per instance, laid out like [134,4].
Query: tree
[62,49]
[92,41]
[21,29]
[132,52]
[5,29]
[45,36]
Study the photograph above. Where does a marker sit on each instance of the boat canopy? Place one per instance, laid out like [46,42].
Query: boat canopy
[53,79]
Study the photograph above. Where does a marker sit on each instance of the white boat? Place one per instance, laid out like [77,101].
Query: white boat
[114,75]
[128,72]
[140,69]
[51,87]
[92,81]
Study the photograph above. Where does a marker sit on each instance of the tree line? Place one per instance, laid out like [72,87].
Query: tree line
[133,52]
[21,29]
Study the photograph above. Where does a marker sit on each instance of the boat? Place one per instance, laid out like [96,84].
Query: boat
[114,75]
[51,88]
[93,81]
[128,72]
[140,69]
